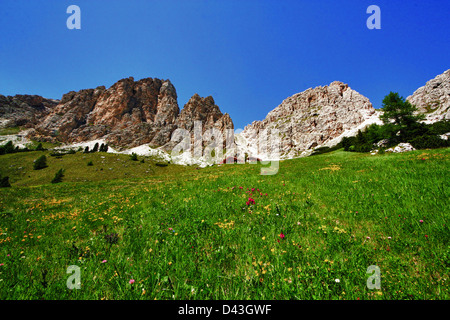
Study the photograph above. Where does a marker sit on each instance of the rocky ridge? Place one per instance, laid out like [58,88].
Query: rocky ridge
[433,99]
[312,118]
[24,110]
[128,114]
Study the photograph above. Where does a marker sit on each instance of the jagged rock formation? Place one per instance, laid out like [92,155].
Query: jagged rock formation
[128,114]
[433,99]
[24,110]
[313,118]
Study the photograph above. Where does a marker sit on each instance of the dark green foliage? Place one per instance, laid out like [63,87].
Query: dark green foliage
[4,182]
[323,150]
[90,163]
[134,157]
[429,142]
[399,111]
[40,163]
[400,125]
[39,147]
[58,176]
[103,148]
[162,164]
[86,150]
[7,148]
[95,149]
[440,127]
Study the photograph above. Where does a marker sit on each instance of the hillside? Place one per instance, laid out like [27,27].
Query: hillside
[177,232]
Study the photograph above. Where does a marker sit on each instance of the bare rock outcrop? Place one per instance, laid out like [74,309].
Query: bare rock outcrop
[128,114]
[24,110]
[313,118]
[433,99]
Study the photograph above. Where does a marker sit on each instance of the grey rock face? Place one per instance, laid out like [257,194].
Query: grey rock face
[433,99]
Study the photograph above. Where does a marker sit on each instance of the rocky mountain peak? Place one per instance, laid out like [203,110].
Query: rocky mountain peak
[313,117]
[433,99]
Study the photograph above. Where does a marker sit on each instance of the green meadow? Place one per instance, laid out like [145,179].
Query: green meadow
[138,230]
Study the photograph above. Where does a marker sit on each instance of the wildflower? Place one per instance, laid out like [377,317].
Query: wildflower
[104,261]
[282,235]
[337,280]
[1,264]
[368,238]
[131,281]
[421,221]
[170,229]
[389,238]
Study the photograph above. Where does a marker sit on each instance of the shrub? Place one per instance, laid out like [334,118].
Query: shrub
[429,142]
[40,163]
[90,163]
[95,148]
[103,148]
[134,157]
[4,182]
[7,148]
[58,176]
[86,150]
[162,164]
[39,147]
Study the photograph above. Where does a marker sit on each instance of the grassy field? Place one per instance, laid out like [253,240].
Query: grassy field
[140,231]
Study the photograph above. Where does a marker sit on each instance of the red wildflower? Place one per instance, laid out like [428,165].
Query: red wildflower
[282,235]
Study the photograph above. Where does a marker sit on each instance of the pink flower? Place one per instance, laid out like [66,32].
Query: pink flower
[241,188]
[282,235]
[421,221]
[1,264]
[389,237]
[131,281]
[104,261]
[170,229]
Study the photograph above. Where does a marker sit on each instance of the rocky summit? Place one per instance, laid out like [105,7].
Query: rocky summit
[313,118]
[145,113]
[128,114]
[24,110]
[433,99]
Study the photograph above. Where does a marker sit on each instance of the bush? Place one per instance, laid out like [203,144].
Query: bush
[7,148]
[40,163]
[58,176]
[39,147]
[429,142]
[90,163]
[95,148]
[134,157]
[4,182]
[162,164]
[86,150]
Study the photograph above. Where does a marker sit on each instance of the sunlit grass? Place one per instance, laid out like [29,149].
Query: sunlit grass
[185,233]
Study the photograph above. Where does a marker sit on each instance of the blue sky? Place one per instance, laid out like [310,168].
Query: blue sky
[249,54]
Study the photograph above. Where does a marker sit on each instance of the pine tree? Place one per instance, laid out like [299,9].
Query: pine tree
[40,163]
[58,176]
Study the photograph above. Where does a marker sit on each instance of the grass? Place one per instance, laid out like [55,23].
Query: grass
[10,130]
[184,233]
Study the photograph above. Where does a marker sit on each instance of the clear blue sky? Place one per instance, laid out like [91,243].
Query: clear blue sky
[248,54]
